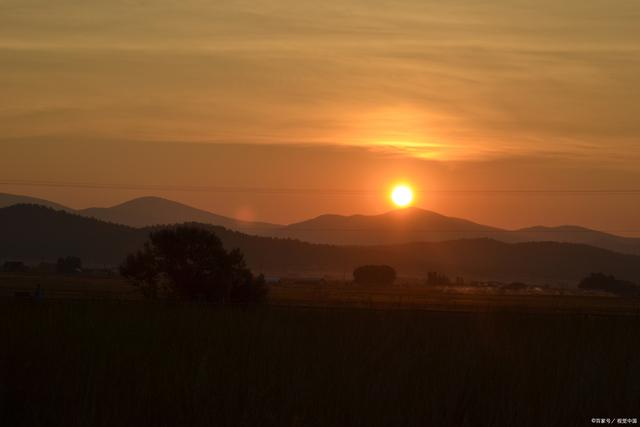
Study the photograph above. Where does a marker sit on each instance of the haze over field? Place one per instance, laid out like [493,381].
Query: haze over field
[173,98]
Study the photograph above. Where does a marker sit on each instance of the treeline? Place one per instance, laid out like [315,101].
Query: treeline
[608,283]
[386,275]
[64,265]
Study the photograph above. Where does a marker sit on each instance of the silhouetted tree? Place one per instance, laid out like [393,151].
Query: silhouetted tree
[608,283]
[191,263]
[374,275]
[69,265]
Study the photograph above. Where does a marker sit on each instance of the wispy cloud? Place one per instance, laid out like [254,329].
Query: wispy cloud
[430,79]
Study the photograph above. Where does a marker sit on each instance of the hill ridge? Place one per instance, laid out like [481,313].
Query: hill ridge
[35,233]
[406,225]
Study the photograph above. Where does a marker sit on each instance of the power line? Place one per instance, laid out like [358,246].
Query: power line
[312,190]
[283,232]
[333,191]
[412,230]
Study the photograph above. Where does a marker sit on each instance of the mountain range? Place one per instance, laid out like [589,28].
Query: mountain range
[37,233]
[418,225]
[409,225]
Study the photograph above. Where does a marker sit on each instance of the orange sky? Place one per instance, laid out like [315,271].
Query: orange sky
[334,95]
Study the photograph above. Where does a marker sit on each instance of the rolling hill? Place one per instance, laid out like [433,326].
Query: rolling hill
[15,199]
[419,225]
[34,233]
[401,226]
[148,211]
[575,234]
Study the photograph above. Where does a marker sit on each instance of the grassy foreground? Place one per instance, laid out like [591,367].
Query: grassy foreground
[115,364]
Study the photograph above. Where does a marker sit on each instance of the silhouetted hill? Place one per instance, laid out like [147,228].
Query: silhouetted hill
[398,226]
[35,233]
[14,199]
[148,211]
[418,225]
[395,227]
[574,234]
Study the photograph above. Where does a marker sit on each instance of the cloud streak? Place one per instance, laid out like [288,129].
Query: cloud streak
[451,81]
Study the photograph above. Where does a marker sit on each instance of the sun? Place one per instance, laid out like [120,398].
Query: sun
[402,195]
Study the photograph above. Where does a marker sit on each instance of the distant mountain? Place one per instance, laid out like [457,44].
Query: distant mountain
[148,211]
[399,226]
[34,233]
[574,234]
[37,233]
[418,225]
[14,199]
[396,227]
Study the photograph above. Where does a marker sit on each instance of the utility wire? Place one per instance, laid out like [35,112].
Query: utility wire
[311,191]
[351,192]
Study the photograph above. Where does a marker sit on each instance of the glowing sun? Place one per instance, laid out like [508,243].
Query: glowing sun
[402,195]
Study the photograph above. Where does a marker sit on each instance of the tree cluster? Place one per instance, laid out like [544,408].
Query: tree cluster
[608,283]
[190,263]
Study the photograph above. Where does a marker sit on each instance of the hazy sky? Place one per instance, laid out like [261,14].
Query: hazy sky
[462,94]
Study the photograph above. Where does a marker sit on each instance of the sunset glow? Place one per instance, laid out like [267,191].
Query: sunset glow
[402,195]
[301,212]
[350,94]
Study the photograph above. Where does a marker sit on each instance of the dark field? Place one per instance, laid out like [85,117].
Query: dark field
[403,295]
[90,363]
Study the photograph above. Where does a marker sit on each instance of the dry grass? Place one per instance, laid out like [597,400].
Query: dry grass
[107,364]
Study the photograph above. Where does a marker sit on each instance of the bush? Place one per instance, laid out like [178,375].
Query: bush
[190,263]
[374,275]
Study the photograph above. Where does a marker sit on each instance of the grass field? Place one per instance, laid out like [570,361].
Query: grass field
[88,363]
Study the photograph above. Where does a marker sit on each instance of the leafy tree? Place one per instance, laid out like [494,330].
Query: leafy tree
[190,263]
[374,275]
[69,265]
